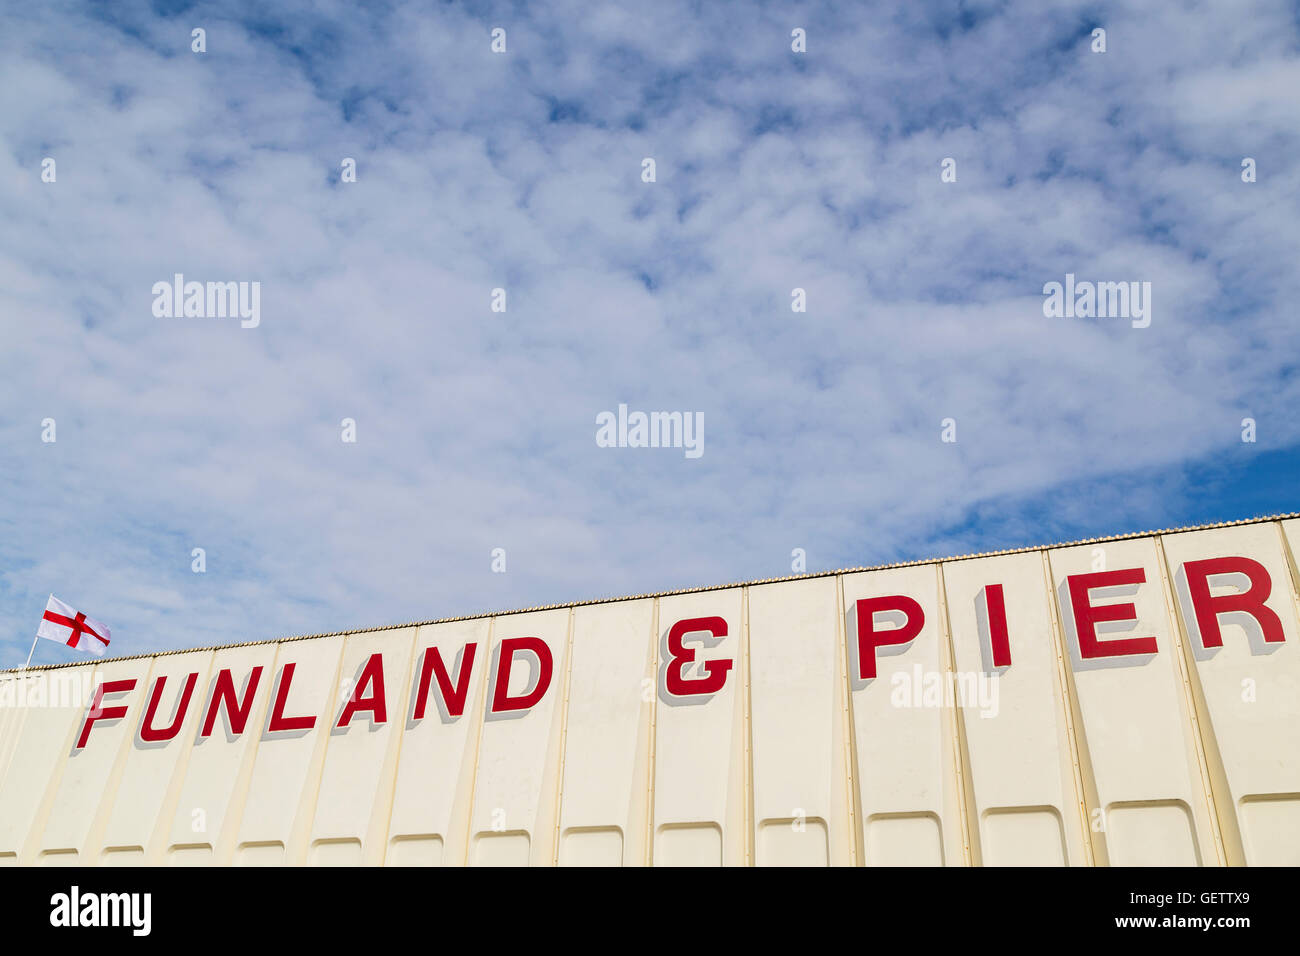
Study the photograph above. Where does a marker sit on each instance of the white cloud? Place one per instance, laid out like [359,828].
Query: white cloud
[476,430]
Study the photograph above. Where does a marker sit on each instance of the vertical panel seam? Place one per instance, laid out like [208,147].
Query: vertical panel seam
[1186,675]
[234,816]
[400,733]
[747,728]
[564,740]
[948,662]
[846,718]
[1293,569]
[858,834]
[478,737]
[1068,703]
[648,849]
[160,834]
[311,789]
[101,819]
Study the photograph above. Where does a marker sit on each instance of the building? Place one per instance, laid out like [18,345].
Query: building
[1130,700]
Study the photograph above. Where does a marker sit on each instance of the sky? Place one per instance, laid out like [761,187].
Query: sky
[523,170]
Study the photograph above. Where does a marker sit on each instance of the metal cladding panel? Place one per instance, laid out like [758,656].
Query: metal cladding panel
[152,775]
[516,782]
[205,821]
[1151,804]
[286,771]
[904,746]
[11,719]
[799,724]
[350,822]
[1246,681]
[1015,715]
[435,776]
[77,815]
[1291,535]
[1130,701]
[701,748]
[607,735]
[46,710]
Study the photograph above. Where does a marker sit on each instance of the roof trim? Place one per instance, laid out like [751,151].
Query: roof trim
[658,594]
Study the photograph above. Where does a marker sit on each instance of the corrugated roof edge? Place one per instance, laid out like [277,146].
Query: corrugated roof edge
[15,671]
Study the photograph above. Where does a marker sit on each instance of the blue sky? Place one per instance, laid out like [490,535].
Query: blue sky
[476,170]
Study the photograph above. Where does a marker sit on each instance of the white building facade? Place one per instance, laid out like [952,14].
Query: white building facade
[1124,701]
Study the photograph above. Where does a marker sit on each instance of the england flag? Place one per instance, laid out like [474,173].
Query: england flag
[69,626]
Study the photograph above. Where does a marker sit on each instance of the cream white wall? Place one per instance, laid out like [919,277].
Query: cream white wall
[1181,755]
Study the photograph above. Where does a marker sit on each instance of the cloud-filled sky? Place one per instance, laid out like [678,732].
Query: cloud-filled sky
[522,170]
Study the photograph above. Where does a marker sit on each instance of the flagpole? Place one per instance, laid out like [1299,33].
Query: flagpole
[31,652]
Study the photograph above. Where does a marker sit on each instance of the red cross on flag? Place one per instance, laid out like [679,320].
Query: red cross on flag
[69,626]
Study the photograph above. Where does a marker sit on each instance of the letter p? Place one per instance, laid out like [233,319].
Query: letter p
[870,638]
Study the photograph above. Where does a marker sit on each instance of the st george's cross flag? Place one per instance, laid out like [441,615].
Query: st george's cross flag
[69,626]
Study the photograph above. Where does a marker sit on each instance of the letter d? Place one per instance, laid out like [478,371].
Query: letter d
[502,702]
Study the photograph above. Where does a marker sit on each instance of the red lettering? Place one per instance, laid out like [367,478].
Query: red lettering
[996,605]
[1250,601]
[372,676]
[1087,616]
[147,732]
[869,638]
[99,712]
[501,699]
[223,696]
[715,671]
[453,696]
[280,722]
